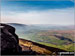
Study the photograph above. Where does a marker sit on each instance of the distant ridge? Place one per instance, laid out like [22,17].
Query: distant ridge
[18,24]
[45,26]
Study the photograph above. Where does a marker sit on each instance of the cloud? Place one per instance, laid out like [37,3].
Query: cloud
[59,17]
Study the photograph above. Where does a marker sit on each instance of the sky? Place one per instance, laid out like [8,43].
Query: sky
[59,12]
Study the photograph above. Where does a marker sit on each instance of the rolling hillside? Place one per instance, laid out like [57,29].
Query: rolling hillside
[38,48]
[61,37]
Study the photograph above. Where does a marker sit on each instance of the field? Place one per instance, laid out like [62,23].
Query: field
[54,39]
[53,36]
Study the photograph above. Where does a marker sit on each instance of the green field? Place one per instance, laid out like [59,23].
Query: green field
[54,36]
[47,39]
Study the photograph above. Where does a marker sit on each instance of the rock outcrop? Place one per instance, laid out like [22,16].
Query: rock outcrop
[10,42]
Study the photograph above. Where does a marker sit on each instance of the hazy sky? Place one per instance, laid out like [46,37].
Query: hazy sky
[38,12]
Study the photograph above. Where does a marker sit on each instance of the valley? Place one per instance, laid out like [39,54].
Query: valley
[61,37]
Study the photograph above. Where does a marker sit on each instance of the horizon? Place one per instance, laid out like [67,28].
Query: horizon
[38,12]
[40,24]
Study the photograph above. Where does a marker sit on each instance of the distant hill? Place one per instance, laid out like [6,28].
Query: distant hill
[25,28]
[71,27]
[20,28]
[50,35]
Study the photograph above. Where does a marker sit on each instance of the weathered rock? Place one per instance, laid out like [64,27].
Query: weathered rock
[9,40]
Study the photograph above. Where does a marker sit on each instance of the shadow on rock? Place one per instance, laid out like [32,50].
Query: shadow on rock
[10,42]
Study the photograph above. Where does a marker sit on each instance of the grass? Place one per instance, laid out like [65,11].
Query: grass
[46,39]
[69,47]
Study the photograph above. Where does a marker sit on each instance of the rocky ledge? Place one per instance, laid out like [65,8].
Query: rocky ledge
[10,42]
